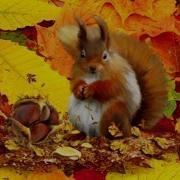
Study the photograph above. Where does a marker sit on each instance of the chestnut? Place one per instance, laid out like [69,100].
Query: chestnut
[39,132]
[54,116]
[27,114]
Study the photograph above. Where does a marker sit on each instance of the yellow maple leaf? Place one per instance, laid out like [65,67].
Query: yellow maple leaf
[16,63]
[17,14]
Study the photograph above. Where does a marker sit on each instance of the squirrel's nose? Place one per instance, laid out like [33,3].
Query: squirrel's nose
[92,69]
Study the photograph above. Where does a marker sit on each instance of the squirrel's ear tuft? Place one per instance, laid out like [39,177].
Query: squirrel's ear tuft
[68,36]
[103,29]
[82,35]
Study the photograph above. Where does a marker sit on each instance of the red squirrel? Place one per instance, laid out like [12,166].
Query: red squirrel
[115,78]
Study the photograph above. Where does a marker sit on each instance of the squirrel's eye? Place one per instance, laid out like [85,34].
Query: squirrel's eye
[83,53]
[105,56]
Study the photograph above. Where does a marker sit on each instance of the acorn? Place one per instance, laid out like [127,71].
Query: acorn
[32,120]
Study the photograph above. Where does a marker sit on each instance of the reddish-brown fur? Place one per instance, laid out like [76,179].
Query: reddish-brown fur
[111,86]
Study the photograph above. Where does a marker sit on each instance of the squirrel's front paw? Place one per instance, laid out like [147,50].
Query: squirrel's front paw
[88,92]
[79,91]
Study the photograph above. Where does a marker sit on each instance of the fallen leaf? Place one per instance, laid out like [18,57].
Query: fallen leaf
[161,142]
[75,131]
[86,145]
[67,151]
[75,143]
[38,151]
[114,130]
[11,145]
[58,138]
[147,149]
[119,145]
[135,131]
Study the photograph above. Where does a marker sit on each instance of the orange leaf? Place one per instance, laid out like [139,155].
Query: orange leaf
[109,13]
[167,45]
[140,25]
[54,175]
[155,10]
[50,47]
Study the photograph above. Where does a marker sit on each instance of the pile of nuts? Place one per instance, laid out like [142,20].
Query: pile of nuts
[32,119]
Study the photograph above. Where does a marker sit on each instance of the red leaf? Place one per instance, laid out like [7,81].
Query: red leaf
[5,107]
[167,45]
[164,125]
[87,174]
[30,32]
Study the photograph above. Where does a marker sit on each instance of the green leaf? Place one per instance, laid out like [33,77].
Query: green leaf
[14,37]
[173,96]
[170,108]
[177,96]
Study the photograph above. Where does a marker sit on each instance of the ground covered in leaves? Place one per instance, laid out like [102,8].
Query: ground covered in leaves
[68,149]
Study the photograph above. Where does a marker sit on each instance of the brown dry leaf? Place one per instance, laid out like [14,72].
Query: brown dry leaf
[161,142]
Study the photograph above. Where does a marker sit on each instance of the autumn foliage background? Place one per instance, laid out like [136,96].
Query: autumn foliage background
[33,62]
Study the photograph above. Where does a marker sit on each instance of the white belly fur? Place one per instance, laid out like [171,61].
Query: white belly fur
[86,114]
